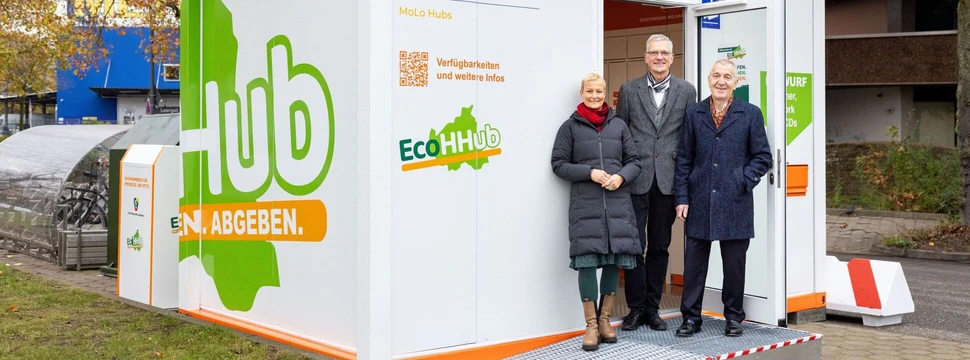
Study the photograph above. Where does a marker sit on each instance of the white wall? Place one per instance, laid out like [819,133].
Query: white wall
[482,255]
[302,283]
[136,104]
[802,241]
[863,114]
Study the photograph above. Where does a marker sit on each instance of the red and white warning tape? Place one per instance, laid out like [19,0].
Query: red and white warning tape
[765,348]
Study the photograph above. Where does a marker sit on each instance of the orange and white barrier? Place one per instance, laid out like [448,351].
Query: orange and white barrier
[875,289]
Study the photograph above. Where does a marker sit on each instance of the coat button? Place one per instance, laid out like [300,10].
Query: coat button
[656,155]
[715,191]
[715,164]
[718,137]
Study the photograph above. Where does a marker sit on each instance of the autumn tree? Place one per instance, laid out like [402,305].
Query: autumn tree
[161,20]
[39,36]
[28,69]
[31,42]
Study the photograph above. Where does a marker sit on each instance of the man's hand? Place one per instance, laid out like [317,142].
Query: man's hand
[613,182]
[599,176]
[682,212]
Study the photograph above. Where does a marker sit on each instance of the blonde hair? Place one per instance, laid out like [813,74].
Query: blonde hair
[591,77]
[725,62]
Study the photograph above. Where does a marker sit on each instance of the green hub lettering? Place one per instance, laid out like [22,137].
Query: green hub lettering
[240,268]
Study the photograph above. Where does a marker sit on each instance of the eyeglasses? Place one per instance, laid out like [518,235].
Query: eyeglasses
[655,53]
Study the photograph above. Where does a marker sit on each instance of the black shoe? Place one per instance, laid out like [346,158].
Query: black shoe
[633,320]
[733,329]
[656,323]
[688,328]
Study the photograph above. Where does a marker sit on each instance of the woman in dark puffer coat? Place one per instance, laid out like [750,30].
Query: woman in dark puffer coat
[595,152]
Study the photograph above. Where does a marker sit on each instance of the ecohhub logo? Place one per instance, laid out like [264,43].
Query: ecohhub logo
[733,52]
[458,142]
[135,242]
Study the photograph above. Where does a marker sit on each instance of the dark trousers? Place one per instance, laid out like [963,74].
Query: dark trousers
[655,214]
[697,254]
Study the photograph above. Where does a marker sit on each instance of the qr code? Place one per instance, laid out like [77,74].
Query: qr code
[414,68]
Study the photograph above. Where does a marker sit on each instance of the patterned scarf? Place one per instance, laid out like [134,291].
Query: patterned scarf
[661,86]
[719,115]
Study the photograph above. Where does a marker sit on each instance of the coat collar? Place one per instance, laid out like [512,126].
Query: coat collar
[646,99]
[734,112]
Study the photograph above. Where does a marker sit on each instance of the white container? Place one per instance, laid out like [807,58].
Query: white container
[148,231]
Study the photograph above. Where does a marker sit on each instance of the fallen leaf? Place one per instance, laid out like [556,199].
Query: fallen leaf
[9,256]
[844,226]
[1,272]
[13,308]
[932,244]
[18,264]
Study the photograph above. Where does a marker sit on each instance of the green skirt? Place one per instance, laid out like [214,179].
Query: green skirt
[623,261]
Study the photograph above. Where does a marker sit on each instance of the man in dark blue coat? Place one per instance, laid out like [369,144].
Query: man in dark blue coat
[722,156]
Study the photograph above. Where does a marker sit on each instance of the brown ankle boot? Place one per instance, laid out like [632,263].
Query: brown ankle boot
[607,334]
[591,341]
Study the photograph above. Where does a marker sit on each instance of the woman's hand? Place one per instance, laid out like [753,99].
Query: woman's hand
[613,182]
[599,176]
[682,212]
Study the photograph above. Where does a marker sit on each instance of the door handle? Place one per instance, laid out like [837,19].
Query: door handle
[778,168]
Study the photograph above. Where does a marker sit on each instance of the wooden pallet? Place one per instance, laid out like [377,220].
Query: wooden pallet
[81,249]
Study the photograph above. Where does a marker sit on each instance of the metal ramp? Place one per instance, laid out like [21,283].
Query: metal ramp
[758,342]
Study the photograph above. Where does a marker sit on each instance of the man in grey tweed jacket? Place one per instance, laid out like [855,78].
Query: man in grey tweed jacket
[653,106]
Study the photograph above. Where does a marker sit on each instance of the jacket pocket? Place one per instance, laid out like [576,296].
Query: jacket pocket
[741,183]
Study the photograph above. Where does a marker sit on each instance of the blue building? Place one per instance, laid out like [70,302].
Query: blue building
[118,91]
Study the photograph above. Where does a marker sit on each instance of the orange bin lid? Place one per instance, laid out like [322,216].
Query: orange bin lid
[797,183]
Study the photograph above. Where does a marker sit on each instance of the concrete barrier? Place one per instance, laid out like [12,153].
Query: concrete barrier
[876,290]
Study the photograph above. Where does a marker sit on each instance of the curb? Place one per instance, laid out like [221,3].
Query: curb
[922,254]
[888,214]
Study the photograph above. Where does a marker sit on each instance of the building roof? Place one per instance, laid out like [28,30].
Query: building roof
[48,98]
[115,92]
[152,129]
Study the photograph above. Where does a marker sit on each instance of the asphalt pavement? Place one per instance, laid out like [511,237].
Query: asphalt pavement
[941,295]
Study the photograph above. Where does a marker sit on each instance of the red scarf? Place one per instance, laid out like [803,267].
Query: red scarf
[597,117]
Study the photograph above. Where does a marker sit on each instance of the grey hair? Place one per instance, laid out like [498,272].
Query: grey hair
[661,37]
[725,62]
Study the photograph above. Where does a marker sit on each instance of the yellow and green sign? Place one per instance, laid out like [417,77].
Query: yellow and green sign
[798,103]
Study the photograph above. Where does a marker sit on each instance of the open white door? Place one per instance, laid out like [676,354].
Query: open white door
[752,33]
